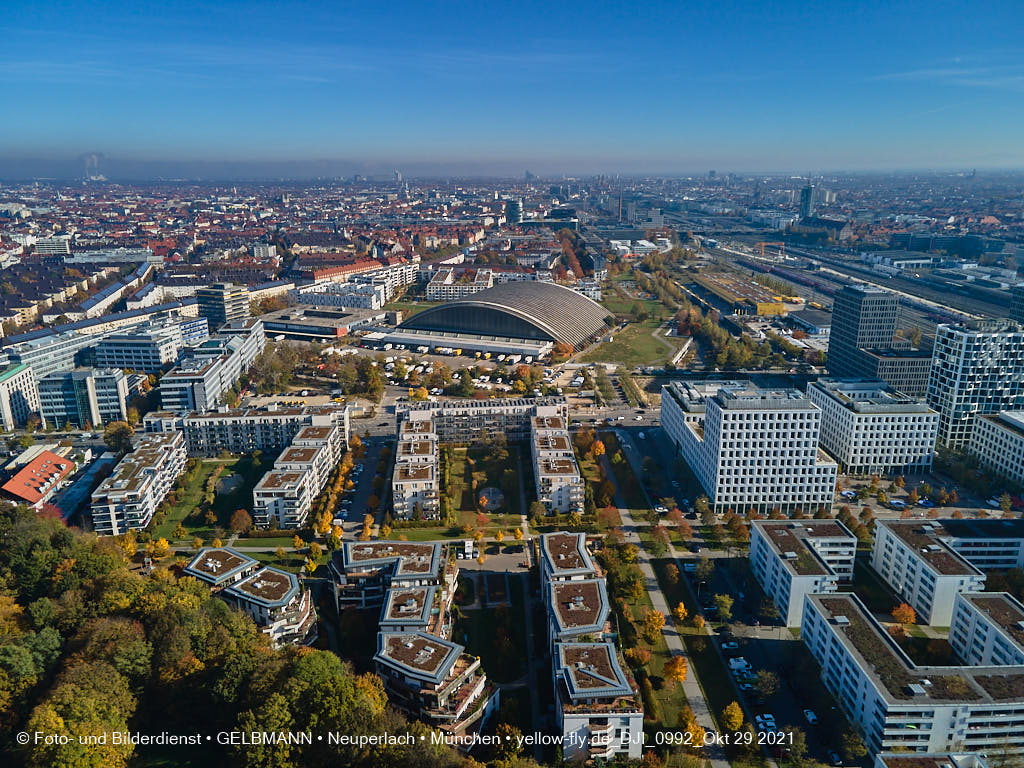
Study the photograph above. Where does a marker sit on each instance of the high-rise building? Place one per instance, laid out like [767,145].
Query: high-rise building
[807,202]
[19,395]
[84,396]
[223,303]
[514,211]
[976,369]
[1017,304]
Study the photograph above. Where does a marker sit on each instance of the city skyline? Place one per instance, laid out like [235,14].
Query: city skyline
[464,90]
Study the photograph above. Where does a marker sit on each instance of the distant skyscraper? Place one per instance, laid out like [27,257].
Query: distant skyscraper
[862,317]
[807,202]
[514,211]
[1017,304]
[398,176]
[223,303]
[976,369]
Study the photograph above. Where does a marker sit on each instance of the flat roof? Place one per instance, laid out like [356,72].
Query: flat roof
[275,480]
[984,528]
[556,466]
[579,605]
[1003,610]
[789,540]
[410,557]
[408,605]
[418,654]
[414,472]
[566,553]
[926,538]
[216,565]
[592,670]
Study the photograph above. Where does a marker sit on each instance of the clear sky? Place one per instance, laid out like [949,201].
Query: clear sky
[553,86]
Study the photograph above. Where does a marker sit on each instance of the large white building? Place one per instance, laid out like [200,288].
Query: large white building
[19,395]
[998,442]
[446,285]
[465,421]
[141,480]
[598,709]
[976,369]
[794,558]
[330,294]
[750,448]
[272,598]
[871,429]
[988,629]
[151,347]
[84,396]
[415,482]
[556,474]
[898,705]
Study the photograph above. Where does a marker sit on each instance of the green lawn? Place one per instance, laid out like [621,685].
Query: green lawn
[632,346]
[497,635]
[410,308]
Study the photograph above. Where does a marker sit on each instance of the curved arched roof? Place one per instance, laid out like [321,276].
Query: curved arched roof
[526,309]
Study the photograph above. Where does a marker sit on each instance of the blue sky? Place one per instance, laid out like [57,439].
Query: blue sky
[554,86]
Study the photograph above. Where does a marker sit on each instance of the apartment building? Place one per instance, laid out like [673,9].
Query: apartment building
[272,598]
[363,572]
[415,481]
[870,429]
[19,395]
[355,295]
[976,369]
[556,474]
[138,484]
[598,709]
[92,396]
[931,760]
[988,629]
[915,558]
[901,706]
[465,421]
[244,430]
[794,558]
[997,441]
[284,495]
[750,448]
[446,285]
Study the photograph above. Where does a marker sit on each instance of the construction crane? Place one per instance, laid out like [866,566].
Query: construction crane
[780,246]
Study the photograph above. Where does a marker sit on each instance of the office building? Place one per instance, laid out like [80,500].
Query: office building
[807,201]
[272,598]
[223,303]
[900,706]
[598,710]
[465,421]
[750,448]
[514,211]
[152,347]
[870,429]
[415,482]
[139,483]
[19,395]
[791,559]
[976,369]
[1017,303]
[997,441]
[988,629]
[556,474]
[84,396]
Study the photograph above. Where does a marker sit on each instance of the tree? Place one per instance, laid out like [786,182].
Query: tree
[680,613]
[179,531]
[597,448]
[732,716]
[904,614]
[913,497]
[280,553]
[420,393]
[518,534]
[1005,502]
[724,605]
[698,622]
[852,746]
[705,569]
[216,543]
[241,521]
[652,624]
[161,547]
[118,436]
[767,683]
[675,669]
[537,510]
[197,543]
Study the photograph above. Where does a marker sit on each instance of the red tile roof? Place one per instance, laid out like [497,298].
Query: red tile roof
[37,479]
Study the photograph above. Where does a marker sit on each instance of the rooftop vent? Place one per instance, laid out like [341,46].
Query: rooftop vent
[789,555]
[841,621]
[915,689]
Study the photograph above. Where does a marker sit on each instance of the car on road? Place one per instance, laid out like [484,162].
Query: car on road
[810,717]
[642,436]
[926,503]
[848,495]
[732,645]
[746,687]
[834,758]
[639,418]
[897,504]
[661,509]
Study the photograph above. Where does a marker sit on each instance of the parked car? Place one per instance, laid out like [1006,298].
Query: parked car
[848,495]
[926,503]
[897,504]
[661,509]
[834,758]
[730,646]
[810,716]
[746,687]
[739,663]
[993,502]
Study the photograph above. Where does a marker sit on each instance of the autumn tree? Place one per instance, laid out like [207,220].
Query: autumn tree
[675,669]
[732,716]
[652,624]
[904,614]
[680,613]
[241,521]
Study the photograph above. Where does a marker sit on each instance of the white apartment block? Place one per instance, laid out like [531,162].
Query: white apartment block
[19,395]
[916,560]
[598,712]
[446,285]
[794,558]
[931,760]
[363,572]
[897,705]
[283,496]
[272,598]
[415,482]
[465,421]
[138,484]
[556,474]
[870,429]
[988,629]
[750,448]
[330,294]
[975,370]
[998,443]
[244,430]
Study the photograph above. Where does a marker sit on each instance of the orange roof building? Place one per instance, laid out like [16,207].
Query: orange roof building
[36,482]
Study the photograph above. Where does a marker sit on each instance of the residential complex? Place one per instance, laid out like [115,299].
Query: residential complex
[997,441]
[283,496]
[424,673]
[976,369]
[415,482]
[465,421]
[272,598]
[750,448]
[446,285]
[872,430]
[141,480]
[555,471]
[597,710]
[19,396]
[794,558]
[84,396]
